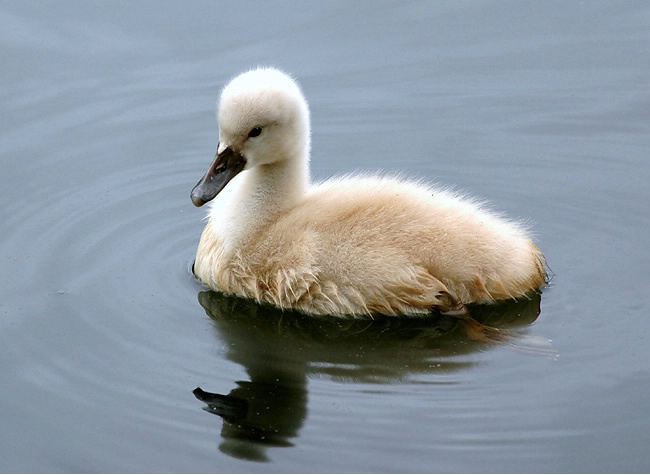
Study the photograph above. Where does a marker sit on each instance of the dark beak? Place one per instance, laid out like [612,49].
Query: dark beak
[226,165]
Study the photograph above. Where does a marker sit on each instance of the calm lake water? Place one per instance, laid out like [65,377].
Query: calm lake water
[107,121]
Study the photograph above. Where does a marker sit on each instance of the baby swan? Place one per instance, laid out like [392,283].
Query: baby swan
[358,245]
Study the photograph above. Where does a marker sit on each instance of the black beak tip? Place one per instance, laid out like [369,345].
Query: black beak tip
[225,167]
[197,200]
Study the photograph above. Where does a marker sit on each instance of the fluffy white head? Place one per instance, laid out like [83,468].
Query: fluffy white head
[264,116]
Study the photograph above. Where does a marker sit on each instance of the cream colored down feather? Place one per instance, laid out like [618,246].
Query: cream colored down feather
[356,245]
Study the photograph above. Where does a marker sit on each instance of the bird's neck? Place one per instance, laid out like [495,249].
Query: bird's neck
[276,186]
[258,194]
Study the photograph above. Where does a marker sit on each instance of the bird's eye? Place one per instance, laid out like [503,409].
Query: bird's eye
[255,132]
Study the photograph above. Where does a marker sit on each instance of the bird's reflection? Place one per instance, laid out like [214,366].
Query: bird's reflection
[281,350]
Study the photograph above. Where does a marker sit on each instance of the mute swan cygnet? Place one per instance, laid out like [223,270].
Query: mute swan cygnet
[355,245]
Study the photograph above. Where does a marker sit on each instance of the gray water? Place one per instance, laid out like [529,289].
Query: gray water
[107,121]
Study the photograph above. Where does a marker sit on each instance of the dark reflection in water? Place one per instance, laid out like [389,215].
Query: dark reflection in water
[280,350]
